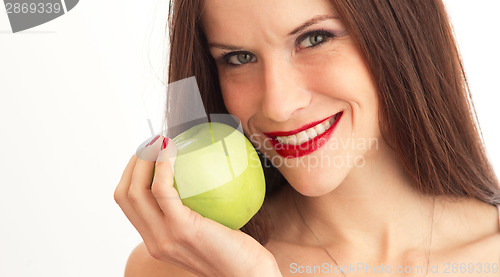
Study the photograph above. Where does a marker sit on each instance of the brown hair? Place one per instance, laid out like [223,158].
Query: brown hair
[426,112]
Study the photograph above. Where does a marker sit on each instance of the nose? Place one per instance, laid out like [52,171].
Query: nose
[284,91]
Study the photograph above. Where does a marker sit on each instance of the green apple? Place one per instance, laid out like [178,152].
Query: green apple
[218,174]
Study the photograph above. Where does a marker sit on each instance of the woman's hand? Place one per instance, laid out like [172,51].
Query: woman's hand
[175,234]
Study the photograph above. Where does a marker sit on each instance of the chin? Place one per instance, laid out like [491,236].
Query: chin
[314,186]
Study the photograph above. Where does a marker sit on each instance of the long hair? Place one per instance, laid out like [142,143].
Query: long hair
[426,111]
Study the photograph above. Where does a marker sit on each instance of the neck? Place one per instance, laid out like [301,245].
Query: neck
[375,211]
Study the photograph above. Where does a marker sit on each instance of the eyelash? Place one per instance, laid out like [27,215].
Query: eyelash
[327,36]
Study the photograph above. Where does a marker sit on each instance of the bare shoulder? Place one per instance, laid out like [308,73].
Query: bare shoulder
[141,264]
[471,228]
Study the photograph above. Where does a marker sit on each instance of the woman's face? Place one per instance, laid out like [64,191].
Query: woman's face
[285,65]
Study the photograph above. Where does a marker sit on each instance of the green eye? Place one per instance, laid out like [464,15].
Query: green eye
[240,58]
[316,39]
[313,39]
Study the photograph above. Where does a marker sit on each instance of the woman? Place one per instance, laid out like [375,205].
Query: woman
[389,175]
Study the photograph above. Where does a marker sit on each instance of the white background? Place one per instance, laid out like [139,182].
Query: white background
[75,96]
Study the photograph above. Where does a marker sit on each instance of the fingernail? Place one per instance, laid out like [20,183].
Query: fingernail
[148,150]
[152,141]
[164,143]
[167,150]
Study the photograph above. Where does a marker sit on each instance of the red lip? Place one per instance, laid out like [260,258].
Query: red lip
[295,151]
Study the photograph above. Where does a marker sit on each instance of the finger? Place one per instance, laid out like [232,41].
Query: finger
[127,173]
[121,191]
[163,183]
[148,150]
[141,197]
[121,198]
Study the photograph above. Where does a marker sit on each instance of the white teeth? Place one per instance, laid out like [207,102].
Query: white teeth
[311,133]
[328,124]
[307,134]
[302,137]
[319,129]
[291,140]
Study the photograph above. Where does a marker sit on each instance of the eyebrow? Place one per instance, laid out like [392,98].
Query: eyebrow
[312,21]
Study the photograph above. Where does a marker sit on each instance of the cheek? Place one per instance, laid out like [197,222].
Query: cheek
[345,77]
[239,98]
[340,71]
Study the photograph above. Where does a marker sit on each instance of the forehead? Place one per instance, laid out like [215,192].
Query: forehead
[279,16]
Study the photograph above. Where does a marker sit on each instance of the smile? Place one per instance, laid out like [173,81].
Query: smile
[308,134]
[305,140]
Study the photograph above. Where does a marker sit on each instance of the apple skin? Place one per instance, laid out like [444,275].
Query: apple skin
[230,188]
